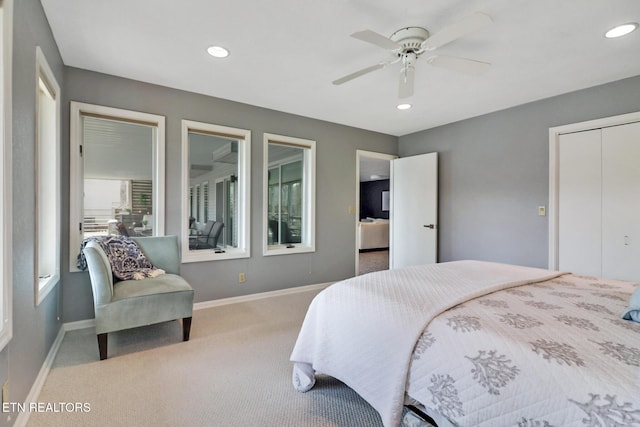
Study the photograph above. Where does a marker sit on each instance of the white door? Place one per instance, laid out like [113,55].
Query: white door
[621,202]
[414,210]
[598,202]
[579,203]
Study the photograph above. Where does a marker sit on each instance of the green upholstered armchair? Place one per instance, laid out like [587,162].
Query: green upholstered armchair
[133,303]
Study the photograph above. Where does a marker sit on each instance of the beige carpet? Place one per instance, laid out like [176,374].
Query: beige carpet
[235,371]
[373,261]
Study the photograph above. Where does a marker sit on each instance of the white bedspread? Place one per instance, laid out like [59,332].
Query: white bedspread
[363,330]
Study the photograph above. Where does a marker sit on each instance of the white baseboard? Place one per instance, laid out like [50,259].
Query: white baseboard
[23,417]
[80,324]
[261,295]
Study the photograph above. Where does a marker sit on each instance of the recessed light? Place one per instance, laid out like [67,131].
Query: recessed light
[218,51]
[621,30]
[403,106]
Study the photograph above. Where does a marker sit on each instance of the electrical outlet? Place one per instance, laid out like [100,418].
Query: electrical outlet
[542,211]
[242,278]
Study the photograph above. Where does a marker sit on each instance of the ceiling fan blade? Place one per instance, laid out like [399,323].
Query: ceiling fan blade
[407,78]
[376,39]
[453,32]
[462,65]
[359,73]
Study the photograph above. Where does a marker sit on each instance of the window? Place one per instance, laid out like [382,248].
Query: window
[6,327]
[47,203]
[216,173]
[289,195]
[117,174]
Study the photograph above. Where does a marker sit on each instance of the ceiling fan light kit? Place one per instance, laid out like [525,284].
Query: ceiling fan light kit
[409,43]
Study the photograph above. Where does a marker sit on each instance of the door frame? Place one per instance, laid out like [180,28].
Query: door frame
[554,172]
[359,155]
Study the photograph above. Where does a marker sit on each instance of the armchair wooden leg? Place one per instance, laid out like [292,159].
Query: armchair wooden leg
[102,345]
[186,328]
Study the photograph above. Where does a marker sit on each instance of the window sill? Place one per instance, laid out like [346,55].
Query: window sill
[45,286]
[284,250]
[204,255]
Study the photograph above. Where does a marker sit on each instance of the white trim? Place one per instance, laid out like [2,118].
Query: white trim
[77,109]
[259,296]
[554,139]
[80,324]
[308,243]
[6,328]
[44,73]
[23,418]
[244,194]
[359,155]
[91,323]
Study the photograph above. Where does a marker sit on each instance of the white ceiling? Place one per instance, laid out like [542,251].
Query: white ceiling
[286,53]
[374,169]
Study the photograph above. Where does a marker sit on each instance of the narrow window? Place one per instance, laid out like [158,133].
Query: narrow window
[289,195]
[6,328]
[47,202]
[216,167]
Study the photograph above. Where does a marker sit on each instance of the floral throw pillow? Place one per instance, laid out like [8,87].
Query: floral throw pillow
[128,262]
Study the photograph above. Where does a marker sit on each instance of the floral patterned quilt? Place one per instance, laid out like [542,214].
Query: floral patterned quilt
[555,353]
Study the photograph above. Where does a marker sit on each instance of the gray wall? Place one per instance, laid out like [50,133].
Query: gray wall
[494,172]
[34,328]
[336,147]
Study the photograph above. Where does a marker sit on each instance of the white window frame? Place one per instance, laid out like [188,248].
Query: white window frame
[45,284]
[6,306]
[76,178]
[309,196]
[243,137]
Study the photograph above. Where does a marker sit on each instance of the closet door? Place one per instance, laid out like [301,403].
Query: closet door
[579,203]
[621,202]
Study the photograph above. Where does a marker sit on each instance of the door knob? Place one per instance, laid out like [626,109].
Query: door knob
[431,226]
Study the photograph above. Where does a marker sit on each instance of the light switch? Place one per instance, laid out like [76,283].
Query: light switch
[542,211]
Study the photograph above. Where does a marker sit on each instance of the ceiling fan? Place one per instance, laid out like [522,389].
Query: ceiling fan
[408,44]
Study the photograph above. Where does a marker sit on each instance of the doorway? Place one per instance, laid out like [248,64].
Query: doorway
[372,211]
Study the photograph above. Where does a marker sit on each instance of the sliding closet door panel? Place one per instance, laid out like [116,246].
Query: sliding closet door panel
[579,206]
[621,202]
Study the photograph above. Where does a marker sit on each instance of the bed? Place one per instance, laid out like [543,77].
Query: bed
[478,344]
[373,234]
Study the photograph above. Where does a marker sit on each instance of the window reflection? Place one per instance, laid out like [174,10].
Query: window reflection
[216,179]
[213,176]
[118,182]
[289,195]
[285,195]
